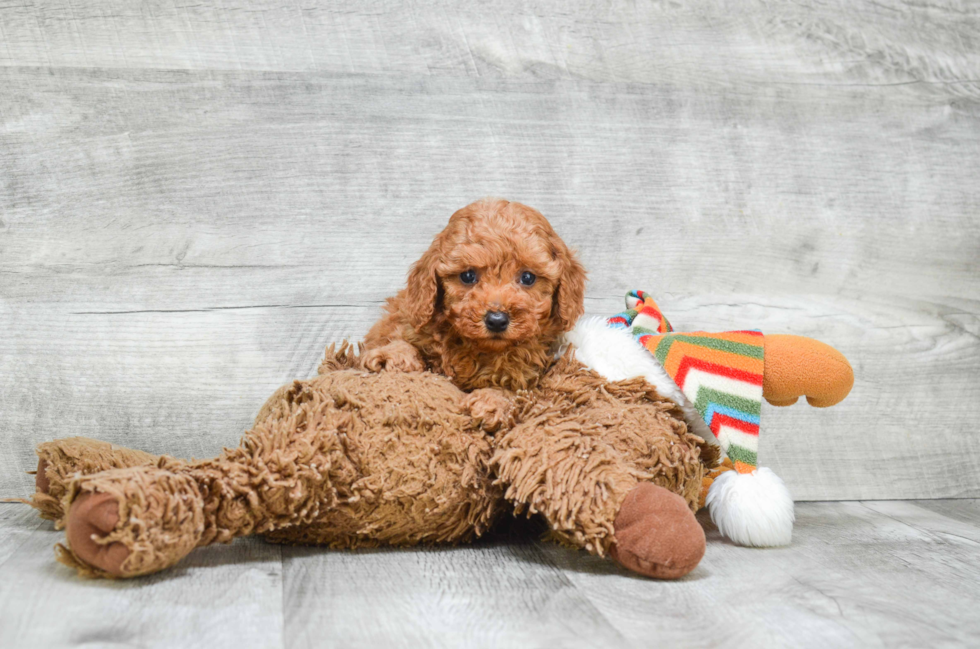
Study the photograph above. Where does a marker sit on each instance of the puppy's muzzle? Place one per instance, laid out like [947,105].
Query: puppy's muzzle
[496,321]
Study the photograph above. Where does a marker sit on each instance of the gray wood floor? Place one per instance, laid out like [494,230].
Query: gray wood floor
[859,574]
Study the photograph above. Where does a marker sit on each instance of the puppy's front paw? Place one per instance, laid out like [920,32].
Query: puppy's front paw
[494,409]
[396,355]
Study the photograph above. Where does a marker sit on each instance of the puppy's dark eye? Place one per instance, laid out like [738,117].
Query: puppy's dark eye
[527,278]
[468,276]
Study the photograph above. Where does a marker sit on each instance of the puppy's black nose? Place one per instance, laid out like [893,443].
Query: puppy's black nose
[496,321]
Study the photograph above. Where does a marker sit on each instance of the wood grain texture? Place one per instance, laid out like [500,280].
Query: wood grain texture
[683,44]
[16,526]
[492,594]
[858,574]
[222,596]
[195,200]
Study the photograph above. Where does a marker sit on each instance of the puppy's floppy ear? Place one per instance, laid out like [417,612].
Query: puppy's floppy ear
[569,302]
[423,287]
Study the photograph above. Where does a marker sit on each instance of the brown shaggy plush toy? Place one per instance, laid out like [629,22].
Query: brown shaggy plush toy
[463,397]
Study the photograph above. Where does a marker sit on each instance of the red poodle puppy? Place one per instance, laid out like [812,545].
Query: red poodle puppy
[486,303]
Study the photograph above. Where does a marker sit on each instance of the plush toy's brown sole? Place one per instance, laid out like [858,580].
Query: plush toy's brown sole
[657,535]
[94,515]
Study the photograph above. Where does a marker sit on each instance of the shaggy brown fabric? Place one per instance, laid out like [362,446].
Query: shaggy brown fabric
[393,458]
[159,514]
[351,458]
[347,458]
[583,443]
[59,461]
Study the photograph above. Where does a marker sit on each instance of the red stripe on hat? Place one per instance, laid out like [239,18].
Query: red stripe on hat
[719,419]
[659,317]
[714,368]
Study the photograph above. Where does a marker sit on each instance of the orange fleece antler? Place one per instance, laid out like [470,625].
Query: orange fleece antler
[797,366]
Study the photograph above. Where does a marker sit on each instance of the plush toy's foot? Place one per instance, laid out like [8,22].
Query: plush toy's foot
[656,534]
[129,522]
[61,460]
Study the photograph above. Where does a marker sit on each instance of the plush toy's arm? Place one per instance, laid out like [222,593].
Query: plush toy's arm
[797,366]
[493,408]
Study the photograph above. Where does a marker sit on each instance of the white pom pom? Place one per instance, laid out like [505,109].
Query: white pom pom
[752,509]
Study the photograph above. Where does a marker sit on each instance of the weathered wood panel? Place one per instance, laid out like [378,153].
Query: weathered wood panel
[174,245]
[694,44]
[17,523]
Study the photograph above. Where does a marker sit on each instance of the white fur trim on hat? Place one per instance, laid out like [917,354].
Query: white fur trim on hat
[752,509]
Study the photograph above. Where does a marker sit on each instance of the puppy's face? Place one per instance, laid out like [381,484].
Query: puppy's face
[499,285]
[498,275]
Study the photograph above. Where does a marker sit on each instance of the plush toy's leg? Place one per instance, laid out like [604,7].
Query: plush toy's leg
[147,518]
[129,522]
[594,498]
[61,460]
[335,462]
[797,366]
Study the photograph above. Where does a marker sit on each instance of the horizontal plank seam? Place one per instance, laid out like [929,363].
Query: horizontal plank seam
[927,532]
[891,500]
[233,308]
[522,79]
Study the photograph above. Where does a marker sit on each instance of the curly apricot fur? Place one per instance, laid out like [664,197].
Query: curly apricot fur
[443,318]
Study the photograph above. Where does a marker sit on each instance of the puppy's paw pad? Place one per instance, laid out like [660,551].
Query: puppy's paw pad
[373,361]
[396,355]
[405,363]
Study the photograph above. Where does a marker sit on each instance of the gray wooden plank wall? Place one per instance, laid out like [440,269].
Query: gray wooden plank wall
[195,199]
